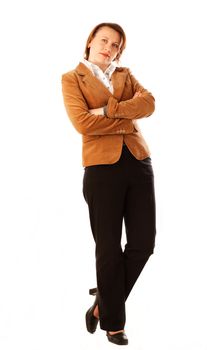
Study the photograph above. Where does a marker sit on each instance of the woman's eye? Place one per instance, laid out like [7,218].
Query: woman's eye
[116,46]
[104,40]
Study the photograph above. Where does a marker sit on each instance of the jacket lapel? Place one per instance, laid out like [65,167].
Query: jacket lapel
[118,80]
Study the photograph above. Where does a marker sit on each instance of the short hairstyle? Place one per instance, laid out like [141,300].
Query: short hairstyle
[114,26]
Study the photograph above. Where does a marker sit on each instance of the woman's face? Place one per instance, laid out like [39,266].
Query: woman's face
[104,47]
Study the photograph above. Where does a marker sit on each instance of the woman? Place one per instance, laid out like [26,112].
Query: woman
[103,102]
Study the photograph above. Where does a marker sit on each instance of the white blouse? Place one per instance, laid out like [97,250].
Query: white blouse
[104,77]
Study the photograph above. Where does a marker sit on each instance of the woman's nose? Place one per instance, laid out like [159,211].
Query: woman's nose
[107,48]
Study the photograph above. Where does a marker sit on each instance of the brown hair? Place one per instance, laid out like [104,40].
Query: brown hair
[114,26]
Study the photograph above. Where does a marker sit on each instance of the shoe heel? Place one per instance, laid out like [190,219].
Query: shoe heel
[93,291]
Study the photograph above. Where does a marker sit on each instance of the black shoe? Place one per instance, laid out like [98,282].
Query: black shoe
[117,338]
[91,320]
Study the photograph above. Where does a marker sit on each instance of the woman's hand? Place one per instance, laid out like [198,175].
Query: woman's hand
[97,111]
[137,94]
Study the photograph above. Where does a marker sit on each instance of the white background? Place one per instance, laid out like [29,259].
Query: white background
[47,257]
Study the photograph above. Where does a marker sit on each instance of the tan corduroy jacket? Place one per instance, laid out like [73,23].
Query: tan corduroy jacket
[103,135]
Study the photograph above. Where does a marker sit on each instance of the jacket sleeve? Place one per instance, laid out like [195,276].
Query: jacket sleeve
[85,122]
[134,108]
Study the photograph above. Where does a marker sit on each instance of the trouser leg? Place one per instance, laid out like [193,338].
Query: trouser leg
[104,190]
[139,217]
[113,192]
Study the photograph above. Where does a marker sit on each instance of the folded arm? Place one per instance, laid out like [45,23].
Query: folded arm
[142,104]
[84,121]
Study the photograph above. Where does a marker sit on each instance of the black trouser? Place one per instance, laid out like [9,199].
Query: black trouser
[113,192]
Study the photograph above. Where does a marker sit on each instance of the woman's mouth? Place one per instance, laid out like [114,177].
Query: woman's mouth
[105,55]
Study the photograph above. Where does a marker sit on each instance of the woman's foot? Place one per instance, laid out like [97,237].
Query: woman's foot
[112,333]
[96,312]
[91,319]
[118,337]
